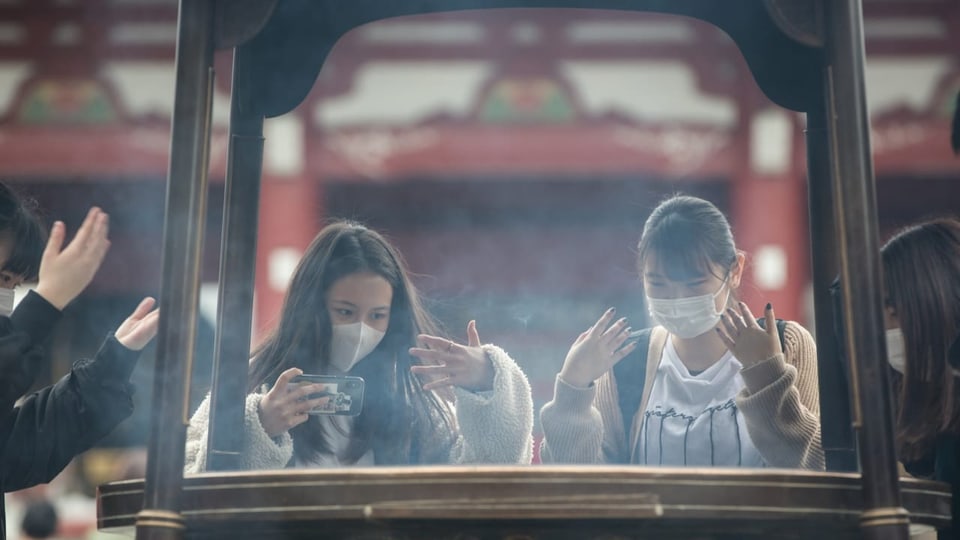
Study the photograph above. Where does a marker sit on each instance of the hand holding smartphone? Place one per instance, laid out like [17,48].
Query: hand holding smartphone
[345,393]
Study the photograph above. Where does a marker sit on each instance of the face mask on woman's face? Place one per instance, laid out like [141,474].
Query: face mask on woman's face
[6,302]
[687,317]
[351,343]
[896,352]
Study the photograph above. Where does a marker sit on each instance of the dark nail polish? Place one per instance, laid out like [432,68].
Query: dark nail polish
[769,306]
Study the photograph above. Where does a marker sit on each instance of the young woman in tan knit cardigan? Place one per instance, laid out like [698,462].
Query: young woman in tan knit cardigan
[719,389]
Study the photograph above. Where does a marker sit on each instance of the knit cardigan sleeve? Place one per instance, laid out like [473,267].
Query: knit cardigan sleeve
[584,425]
[781,403]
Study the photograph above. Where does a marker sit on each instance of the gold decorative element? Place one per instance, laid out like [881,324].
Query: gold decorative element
[877,517]
[579,505]
[164,519]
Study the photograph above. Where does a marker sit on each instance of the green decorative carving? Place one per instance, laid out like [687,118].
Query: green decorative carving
[67,102]
[535,100]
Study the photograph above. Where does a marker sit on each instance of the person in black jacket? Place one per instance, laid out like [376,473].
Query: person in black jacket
[45,430]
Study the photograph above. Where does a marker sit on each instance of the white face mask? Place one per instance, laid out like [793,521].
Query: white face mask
[687,317]
[6,302]
[896,352]
[351,343]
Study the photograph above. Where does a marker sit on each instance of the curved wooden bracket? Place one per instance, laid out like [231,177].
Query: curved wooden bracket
[237,21]
[801,20]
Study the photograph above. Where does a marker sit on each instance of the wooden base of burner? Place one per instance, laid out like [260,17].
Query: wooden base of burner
[555,502]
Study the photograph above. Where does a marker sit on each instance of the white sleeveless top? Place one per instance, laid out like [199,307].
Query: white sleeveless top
[693,420]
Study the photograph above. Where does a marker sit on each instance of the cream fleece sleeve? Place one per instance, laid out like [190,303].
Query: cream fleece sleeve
[781,404]
[259,451]
[497,426]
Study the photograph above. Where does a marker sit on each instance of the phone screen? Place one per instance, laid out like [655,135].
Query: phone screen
[345,393]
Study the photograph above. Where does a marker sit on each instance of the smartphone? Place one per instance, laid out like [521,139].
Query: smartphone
[346,393]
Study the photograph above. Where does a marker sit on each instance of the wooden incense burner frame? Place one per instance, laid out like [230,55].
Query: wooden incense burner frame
[805,55]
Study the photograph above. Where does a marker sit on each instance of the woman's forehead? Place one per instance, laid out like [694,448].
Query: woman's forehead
[680,267]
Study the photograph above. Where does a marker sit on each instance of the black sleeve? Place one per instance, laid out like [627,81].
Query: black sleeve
[21,355]
[51,426]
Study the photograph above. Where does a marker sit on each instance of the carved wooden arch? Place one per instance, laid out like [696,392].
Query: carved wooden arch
[280,77]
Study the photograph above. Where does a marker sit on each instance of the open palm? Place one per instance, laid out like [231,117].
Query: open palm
[140,327]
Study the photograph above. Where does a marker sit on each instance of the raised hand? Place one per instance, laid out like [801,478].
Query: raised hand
[452,364]
[64,273]
[140,327]
[596,351]
[750,343]
[286,405]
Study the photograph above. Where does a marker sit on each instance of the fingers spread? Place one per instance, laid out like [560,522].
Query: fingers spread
[429,370]
[738,323]
[441,383]
[771,319]
[622,352]
[86,228]
[730,344]
[748,318]
[437,376]
[435,343]
[143,308]
[429,356]
[473,337]
[55,242]
[620,338]
[602,322]
[727,321]
[615,329]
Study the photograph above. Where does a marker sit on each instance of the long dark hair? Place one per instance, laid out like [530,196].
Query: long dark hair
[688,235]
[401,422]
[19,221]
[921,266]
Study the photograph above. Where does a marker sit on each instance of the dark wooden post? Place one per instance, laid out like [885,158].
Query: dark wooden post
[857,232]
[836,426]
[238,251]
[160,517]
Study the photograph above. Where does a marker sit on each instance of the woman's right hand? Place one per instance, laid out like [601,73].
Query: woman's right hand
[286,405]
[64,274]
[596,351]
[140,327]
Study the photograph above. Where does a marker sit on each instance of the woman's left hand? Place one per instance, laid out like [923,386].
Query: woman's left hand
[750,343]
[452,364]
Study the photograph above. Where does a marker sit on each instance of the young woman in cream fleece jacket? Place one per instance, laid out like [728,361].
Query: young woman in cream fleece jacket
[719,389]
[351,309]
